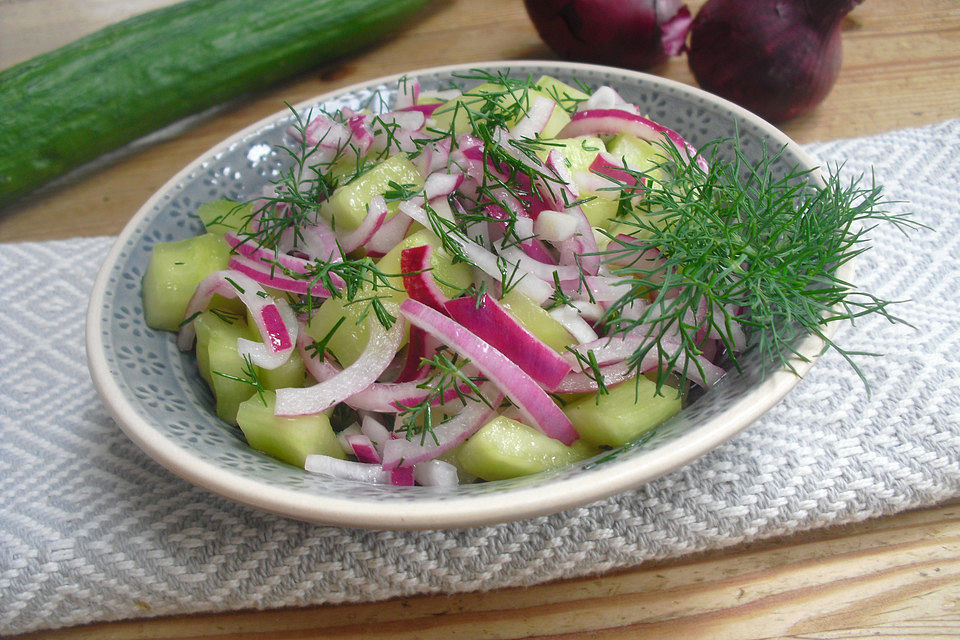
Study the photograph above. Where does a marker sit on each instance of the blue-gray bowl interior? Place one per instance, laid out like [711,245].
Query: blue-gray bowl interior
[164,386]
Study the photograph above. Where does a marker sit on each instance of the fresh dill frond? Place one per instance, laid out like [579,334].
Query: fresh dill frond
[357,280]
[249,376]
[590,367]
[742,245]
[318,348]
[446,375]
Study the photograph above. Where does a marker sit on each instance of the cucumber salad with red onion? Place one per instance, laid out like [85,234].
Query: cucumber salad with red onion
[486,282]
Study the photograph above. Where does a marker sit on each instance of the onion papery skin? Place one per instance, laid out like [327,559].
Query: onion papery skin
[776,58]
[637,34]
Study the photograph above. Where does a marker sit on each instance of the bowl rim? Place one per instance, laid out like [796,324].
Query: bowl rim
[427,512]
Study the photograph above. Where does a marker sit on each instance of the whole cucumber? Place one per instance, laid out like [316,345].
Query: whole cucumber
[70,105]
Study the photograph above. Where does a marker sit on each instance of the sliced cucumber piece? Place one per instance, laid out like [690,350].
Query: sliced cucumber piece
[342,325]
[228,371]
[291,373]
[220,216]
[629,410]
[347,207]
[175,270]
[640,155]
[537,321]
[287,439]
[504,448]
[215,324]
[561,93]
[349,339]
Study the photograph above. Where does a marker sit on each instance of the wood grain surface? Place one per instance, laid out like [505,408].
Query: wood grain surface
[895,577]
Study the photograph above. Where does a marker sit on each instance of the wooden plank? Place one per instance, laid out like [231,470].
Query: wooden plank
[895,576]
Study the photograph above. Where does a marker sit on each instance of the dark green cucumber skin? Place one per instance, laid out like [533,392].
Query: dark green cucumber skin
[73,104]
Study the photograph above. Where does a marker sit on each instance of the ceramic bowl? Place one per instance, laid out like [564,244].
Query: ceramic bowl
[157,397]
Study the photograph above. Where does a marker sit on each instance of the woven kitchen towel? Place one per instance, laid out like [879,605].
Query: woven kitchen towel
[91,529]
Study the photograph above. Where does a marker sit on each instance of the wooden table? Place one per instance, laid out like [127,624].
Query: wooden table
[893,577]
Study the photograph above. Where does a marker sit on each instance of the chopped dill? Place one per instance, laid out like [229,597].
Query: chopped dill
[447,376]
[741,245]
[250,377]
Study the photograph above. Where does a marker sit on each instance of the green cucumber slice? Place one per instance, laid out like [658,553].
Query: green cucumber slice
[289,439]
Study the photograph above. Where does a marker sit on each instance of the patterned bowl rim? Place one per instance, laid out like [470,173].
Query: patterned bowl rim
[428,512]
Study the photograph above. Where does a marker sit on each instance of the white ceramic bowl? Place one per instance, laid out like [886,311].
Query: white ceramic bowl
[157,397]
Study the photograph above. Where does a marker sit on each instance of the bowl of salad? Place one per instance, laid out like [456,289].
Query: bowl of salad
[468,294]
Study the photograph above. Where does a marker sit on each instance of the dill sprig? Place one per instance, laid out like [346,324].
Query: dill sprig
[363,281]
[749,245]
[318,348]
[249,376]
[446,374]
[299,192]
[591,368]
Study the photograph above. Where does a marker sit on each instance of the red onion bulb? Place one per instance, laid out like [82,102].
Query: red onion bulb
[636,34]
[777,58]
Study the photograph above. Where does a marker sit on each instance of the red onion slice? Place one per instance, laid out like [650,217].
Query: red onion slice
[347,469]
[436,473]
[581,247]
[376,215]
[416,351]
[319,242]
[574,323]
[389,235]
[492,324]
[542,270]
[417,277]
[278,327]
[402,477]
[555,226]
[440,184]
[270,276]
[387,397]
[605,164]
[581,382]
[353,429]
[382,345]
[537,407]
[594,122]
[378,434]
[606,97]
[426,109]
[362,447]
[278,336]
[535,120]
[362,139]
[599,289]
[400,452]
[480,257]
[434,156]
[269,257]
[618,348]
[395,130]
[408,93]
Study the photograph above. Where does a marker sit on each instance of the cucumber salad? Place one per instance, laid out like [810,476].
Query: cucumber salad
[484,283]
